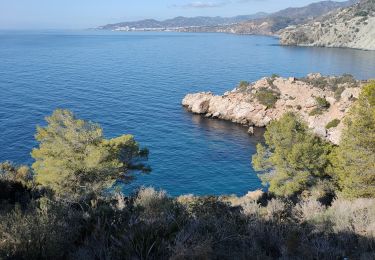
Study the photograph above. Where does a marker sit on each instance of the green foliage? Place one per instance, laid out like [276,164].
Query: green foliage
[333,123]
[361,13]
[10,172]
[244,83]
[16,184]
[319,82]
[338,93]
[322,103]
[293,159]
[316,111]
[74,158]
[332,83]
[242,86]
[346,78]
[355,158]
[267,97]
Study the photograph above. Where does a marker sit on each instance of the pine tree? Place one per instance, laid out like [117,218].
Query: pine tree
[293,159]
[354,162]
[74,158]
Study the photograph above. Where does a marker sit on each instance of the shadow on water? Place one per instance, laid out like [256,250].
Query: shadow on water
[207,143]
[223,127]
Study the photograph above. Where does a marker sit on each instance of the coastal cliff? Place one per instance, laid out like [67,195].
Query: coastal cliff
[351,27]
[320,101]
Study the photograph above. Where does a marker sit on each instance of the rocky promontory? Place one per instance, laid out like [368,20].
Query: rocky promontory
[320,101]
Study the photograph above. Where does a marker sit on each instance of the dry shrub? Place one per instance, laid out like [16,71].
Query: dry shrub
[154,205]
[43,231]
[276,210]
[357,216]
[308,210]
[191,243]
[148,197]
[251,208]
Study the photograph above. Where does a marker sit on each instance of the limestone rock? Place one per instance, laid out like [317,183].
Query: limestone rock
[351,27]
[251,130]
[298,97]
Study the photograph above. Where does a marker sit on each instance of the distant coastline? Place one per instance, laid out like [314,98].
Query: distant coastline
[349,24]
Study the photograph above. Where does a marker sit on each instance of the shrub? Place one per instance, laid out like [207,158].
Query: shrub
[319,82]
[333,123]
[46,230]
[267,97]
[322,103]
[308,210]
[315,111]
[16,185]
[251,208]
[276,209]
[152,202]
[338,93]
[243,85]
[356,216]
[361,13]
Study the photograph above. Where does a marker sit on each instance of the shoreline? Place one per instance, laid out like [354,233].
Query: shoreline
[256,104]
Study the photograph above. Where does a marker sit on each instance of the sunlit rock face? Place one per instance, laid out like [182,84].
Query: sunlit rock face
[318,100]
[351,27]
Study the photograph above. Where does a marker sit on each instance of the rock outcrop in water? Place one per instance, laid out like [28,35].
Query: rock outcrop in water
[320,101]
[351,27]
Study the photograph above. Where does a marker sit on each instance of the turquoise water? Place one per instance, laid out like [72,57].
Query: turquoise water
[134,83]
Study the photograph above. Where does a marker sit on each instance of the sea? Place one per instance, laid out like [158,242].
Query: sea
[133,83]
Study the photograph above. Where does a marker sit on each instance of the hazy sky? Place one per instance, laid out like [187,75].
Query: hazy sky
[75,14]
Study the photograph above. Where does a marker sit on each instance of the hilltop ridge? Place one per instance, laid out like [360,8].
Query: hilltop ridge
[258,23]
[180,22]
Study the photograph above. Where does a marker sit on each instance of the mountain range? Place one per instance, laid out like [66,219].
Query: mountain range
[276,21]
[180,21]
[348,24]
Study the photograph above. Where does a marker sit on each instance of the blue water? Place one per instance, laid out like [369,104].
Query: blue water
[134,83]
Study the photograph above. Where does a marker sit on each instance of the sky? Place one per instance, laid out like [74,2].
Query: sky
[80,14]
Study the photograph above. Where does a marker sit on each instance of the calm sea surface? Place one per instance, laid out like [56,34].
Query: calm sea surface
[134,83]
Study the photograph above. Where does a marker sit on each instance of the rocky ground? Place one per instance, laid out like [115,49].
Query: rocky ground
[320,101]
[351,27]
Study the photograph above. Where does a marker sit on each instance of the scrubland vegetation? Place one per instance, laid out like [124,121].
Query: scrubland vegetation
[319,202]
[267,97]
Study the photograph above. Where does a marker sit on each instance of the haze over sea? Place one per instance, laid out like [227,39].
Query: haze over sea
[134,83]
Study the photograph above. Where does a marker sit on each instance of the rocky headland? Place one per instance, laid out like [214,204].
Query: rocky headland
[319,100]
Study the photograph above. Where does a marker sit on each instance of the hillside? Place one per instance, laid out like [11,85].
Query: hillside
[180,22]
[259,23]
[351,27]
[291,16]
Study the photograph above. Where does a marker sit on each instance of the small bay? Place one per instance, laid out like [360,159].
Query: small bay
[134,83]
